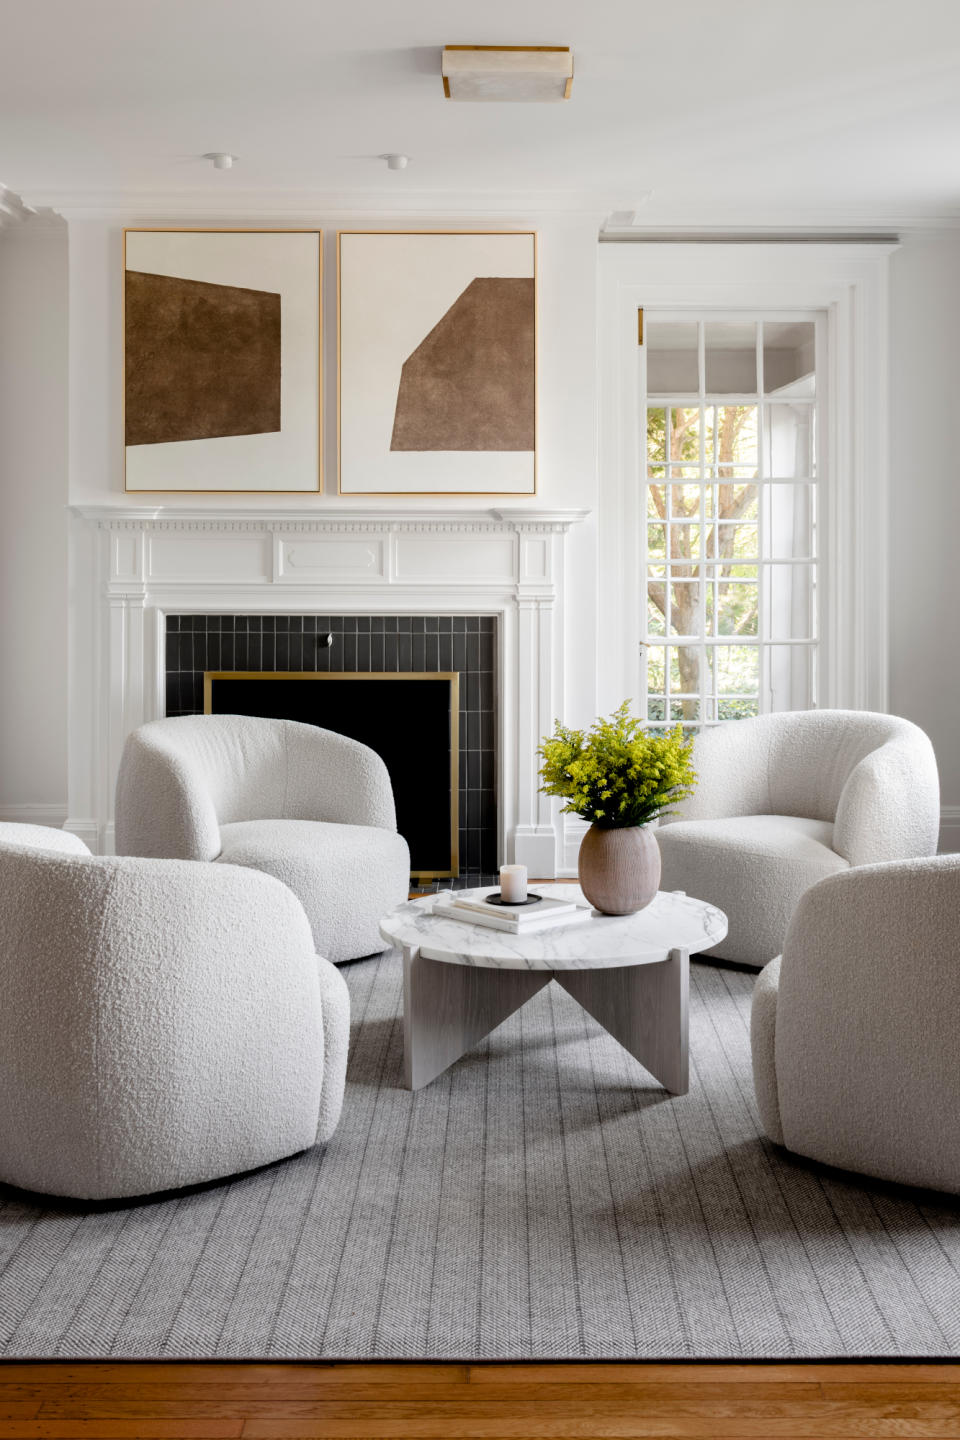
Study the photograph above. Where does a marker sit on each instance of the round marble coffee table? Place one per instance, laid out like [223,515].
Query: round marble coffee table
[631,972]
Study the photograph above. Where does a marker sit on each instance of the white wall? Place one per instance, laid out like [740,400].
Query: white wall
[33,523]
[925,500]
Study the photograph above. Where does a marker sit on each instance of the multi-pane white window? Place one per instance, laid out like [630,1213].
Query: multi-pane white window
[730,416]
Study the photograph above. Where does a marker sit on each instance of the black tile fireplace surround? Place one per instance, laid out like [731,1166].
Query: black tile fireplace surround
[361,644]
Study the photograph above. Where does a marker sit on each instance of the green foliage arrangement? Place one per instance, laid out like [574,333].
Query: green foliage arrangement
[617,774]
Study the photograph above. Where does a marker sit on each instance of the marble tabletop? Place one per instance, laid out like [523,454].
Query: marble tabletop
[673,921]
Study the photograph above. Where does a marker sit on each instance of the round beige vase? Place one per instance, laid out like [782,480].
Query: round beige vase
[619,868]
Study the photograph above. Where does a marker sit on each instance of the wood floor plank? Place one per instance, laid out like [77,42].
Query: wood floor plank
[502,1423]
[319,1391]
[719,1372]
[259,1373]
[54,1428]
[720,1399]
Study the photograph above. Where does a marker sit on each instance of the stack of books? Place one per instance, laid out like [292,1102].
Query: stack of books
[548,914]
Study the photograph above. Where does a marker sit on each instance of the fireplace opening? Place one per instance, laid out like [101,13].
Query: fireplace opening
[401,646]
[411,720]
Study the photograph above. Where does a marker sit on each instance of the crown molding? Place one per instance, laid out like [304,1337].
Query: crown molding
[13,211]
[16,217]
[731,222]
[310,205]
[840,227]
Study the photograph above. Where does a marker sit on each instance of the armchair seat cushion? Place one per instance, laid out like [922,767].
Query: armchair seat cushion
[346,877]
[754,867]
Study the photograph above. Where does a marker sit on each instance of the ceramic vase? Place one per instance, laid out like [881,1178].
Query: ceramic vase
[619,868]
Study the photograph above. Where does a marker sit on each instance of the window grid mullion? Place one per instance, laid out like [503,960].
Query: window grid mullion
[668,566]
[702,568]
[765,546]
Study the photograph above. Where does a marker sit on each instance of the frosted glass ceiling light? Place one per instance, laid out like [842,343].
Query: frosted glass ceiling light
[507,72]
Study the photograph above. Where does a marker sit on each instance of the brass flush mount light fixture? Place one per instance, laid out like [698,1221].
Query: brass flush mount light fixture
[507,72]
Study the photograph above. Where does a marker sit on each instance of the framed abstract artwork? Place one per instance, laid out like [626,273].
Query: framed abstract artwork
[437,356]
[222,369]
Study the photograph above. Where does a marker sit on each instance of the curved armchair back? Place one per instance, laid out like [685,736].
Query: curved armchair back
[868,1022]
[161,1022]
[181,779]
[874,777]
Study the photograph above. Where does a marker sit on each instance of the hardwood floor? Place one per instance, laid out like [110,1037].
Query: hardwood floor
[488,1402]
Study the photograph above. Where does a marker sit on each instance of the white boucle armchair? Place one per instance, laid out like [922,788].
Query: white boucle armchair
[785,800]
[309,806]
[161,1023]
[855,1029]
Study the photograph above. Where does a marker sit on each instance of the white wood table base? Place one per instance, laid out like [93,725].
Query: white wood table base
[630,972]
[447,1009]
[646,1008]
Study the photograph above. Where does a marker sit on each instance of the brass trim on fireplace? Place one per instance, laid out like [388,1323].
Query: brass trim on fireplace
[454,678]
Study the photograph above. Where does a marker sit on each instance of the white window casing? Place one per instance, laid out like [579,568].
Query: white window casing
[847,282]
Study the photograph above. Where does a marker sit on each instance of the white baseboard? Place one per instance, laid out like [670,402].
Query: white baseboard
[949,828]
[54,815]
[86,830]
[573,832]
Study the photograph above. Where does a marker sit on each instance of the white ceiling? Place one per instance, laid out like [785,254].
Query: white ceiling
[693,113]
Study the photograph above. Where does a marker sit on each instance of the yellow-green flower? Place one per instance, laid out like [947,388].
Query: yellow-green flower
[617,761]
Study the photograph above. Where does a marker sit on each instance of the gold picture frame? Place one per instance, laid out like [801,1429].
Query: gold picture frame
[451,676]
[307,398]
[440,490]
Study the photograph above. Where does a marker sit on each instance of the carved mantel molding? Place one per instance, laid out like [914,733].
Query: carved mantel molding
[246,520]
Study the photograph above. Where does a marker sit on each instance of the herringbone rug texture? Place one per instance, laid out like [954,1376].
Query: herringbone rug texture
[543,1199]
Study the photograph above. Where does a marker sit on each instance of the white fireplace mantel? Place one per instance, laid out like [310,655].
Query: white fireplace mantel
[233,558]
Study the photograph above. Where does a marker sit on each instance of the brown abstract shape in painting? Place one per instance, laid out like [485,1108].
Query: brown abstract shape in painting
[470,384]
[201,360]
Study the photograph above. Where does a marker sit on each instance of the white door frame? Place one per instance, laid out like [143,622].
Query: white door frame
[850,282]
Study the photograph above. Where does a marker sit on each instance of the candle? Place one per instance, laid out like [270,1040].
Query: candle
[513,883]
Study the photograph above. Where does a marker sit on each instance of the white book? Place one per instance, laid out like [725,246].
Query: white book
[523,914]
[489,918]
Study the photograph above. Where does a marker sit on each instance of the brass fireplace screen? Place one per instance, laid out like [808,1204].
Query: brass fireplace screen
[411,719]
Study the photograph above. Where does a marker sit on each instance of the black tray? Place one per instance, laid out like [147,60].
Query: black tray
[495,899]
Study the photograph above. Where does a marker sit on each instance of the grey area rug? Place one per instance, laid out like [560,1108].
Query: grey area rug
[543,1199]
